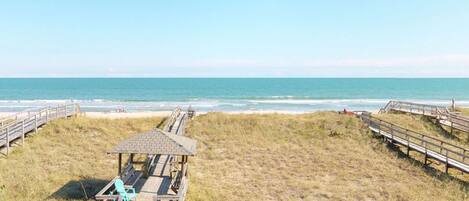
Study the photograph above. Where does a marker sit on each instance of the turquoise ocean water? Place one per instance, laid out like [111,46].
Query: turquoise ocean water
[227,94]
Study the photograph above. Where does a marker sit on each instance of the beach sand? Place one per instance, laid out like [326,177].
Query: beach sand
[121,115]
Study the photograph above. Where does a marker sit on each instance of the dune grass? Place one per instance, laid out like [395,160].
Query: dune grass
[464,111]
[64,155]
[320,156]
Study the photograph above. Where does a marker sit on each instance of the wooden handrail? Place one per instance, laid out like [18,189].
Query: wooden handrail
[20,126]
[422,138]
[442,114]
[39,111]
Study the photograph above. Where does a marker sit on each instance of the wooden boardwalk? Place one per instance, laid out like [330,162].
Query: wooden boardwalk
[164,181]
[441,114]
[157,185]
[17,126]
[452,156]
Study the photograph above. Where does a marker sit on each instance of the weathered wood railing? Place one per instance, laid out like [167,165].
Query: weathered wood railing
[442,114]
[450,154]
[171,119]
[417,108]
[16,126]
[454,121]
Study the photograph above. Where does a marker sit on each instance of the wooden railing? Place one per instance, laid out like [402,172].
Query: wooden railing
[455,121]
[424,109]
[172,118]
[452,155]
[16,126]
[175,124]
[442,114]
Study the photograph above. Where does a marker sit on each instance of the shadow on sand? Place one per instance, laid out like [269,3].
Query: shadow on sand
[85,188]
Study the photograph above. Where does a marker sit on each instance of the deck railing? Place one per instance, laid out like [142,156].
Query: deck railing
[175,124]
[420,142]
[16,126]
[442,114]
[424,109]
[172,118]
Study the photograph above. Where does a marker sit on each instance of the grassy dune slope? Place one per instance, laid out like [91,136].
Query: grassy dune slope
[64,153]
[321,156]
[464,111]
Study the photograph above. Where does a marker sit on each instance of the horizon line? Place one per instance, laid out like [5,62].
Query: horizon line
[236,77]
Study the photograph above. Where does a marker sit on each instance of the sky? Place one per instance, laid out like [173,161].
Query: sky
[252,38]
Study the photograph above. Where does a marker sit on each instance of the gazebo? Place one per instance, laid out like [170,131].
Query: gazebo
[163,168]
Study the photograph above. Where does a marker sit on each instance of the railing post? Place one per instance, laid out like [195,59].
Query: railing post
[35,123]
[463,155]
[22,133]
[446,168]
[426,154]
[392,132]
[47,114]
[441,147]
[8,140]
[451,126]
[408,143]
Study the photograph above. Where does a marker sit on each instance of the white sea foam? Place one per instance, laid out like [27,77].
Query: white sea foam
[281,104]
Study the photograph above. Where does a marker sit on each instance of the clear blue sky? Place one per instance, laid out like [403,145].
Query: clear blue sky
[397,38]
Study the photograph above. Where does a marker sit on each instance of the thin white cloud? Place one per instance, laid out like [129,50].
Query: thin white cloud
[424,61]
[454,65]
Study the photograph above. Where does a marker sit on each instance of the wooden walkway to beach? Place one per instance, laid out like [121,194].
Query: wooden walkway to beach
[441,114]
[157,185]
[451,155]
[163,182]
[18,125]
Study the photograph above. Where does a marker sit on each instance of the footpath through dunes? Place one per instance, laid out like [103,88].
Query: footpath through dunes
[318,156]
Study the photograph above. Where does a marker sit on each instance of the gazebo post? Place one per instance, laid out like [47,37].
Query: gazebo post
[119,165]
[182,163]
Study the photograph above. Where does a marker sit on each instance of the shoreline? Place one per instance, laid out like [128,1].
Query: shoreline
[147,114]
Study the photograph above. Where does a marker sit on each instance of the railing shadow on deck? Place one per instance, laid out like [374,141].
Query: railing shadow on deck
[161,124]
[85,188]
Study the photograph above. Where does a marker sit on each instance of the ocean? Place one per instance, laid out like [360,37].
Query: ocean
[228,94]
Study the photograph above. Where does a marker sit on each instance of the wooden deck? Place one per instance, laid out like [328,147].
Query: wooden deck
[157,186]
[441,114]
[18,125]
[451,155]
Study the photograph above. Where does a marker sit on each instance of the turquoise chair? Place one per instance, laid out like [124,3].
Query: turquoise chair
[123,192]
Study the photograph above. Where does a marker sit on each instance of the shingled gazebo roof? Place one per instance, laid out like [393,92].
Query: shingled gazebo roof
[157,142]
